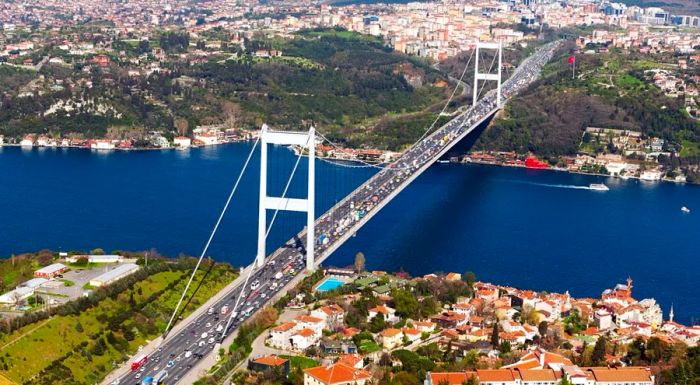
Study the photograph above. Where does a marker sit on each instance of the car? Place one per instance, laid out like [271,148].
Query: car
[204,335]
[137,376]
[208,324]
[263,295]
[170,364]
[155,369]
[211,340]
[188,354]
[201,343]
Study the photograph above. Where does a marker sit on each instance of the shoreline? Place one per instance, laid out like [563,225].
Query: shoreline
[558,169]
[15,145]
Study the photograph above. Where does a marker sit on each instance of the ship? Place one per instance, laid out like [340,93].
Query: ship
[685,209]
[533,162]
[598,187]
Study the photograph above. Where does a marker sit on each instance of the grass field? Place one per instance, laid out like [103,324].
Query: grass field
[69,342]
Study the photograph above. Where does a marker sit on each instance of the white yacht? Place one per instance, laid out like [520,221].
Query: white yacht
[598,187]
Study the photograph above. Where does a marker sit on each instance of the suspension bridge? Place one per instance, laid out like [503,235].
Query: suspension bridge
[178,351]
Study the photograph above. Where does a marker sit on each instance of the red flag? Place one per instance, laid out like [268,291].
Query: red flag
[572,59]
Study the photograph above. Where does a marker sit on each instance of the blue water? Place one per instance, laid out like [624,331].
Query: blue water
[330,283]
[530,229]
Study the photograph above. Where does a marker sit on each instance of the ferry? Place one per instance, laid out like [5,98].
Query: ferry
[685,209]
[598,187]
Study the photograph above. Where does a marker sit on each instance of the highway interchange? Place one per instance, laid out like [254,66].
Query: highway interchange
[180,351]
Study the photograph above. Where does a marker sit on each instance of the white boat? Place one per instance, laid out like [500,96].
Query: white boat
[685,209]
[443,161]
[598,187]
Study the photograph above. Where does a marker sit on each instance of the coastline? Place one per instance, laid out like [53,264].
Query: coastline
[72,147]
[559,169]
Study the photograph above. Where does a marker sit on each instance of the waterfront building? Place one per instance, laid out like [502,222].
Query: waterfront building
[96,258]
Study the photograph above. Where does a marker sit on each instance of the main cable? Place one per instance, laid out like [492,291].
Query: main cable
[211,236]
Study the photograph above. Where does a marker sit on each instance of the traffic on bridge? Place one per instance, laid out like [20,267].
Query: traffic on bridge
[202,333]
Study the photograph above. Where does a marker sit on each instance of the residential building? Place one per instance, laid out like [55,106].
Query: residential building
[336,374]
[50,271]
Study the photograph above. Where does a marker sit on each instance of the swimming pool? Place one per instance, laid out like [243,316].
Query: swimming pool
[329,283]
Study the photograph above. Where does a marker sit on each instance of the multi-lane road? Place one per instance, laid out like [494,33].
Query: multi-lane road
[179,351]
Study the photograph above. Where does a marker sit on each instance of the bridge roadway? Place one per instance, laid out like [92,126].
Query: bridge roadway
[184,346]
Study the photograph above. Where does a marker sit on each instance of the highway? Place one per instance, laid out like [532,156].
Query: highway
[180,351]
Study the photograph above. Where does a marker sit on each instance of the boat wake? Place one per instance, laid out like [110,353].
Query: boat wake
[566,186]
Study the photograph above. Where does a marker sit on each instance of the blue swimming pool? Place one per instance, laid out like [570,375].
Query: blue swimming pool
[329,283]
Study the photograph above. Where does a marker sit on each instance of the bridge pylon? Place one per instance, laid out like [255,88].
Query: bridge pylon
[303,140]
[487,76]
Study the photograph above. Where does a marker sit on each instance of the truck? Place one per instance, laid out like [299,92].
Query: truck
[138,361]
[148,380]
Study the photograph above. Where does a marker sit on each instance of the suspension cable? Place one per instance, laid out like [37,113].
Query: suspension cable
[425,132]
[211,236]
[267,232]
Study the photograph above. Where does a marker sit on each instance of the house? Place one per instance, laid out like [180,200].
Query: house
[270,362]
[448,378]
[336,374]
[412,334]
[621,376]
[333,315]
[391,338]
[304,338]
[497,377]
[330,346]
[539,377]
[114,275]
[452,277]
[354,360]
[314,323]
[388,313]
[280,336]
[425,326]
[540,359]
[50,271]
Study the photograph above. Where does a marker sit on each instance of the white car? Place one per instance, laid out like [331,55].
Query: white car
[208,324]
[219,328]
[204,335]
[188,354]
[137,376]
[211,340]
[201,343]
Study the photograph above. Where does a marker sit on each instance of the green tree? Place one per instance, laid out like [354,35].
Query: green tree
[598,356]
[494,336]
[79,327]
[377,323]
[405,303]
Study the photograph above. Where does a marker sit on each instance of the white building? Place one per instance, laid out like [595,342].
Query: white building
[114,275]
[101,144]
[182,142]
[96,258]
[17,295]
[27,142]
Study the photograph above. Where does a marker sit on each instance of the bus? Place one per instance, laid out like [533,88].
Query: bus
[138,361]
[160,377]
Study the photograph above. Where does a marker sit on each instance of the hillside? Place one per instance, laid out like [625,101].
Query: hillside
[611,90]
[336,79]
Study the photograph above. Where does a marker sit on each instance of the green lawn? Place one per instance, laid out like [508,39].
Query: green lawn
[301,362]
[60,340]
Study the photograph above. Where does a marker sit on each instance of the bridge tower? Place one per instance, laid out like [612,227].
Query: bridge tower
[487,76]
[303,140]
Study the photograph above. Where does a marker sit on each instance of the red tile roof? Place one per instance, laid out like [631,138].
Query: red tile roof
[337,374]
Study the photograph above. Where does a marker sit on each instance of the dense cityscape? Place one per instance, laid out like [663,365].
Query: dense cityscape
[607,89]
